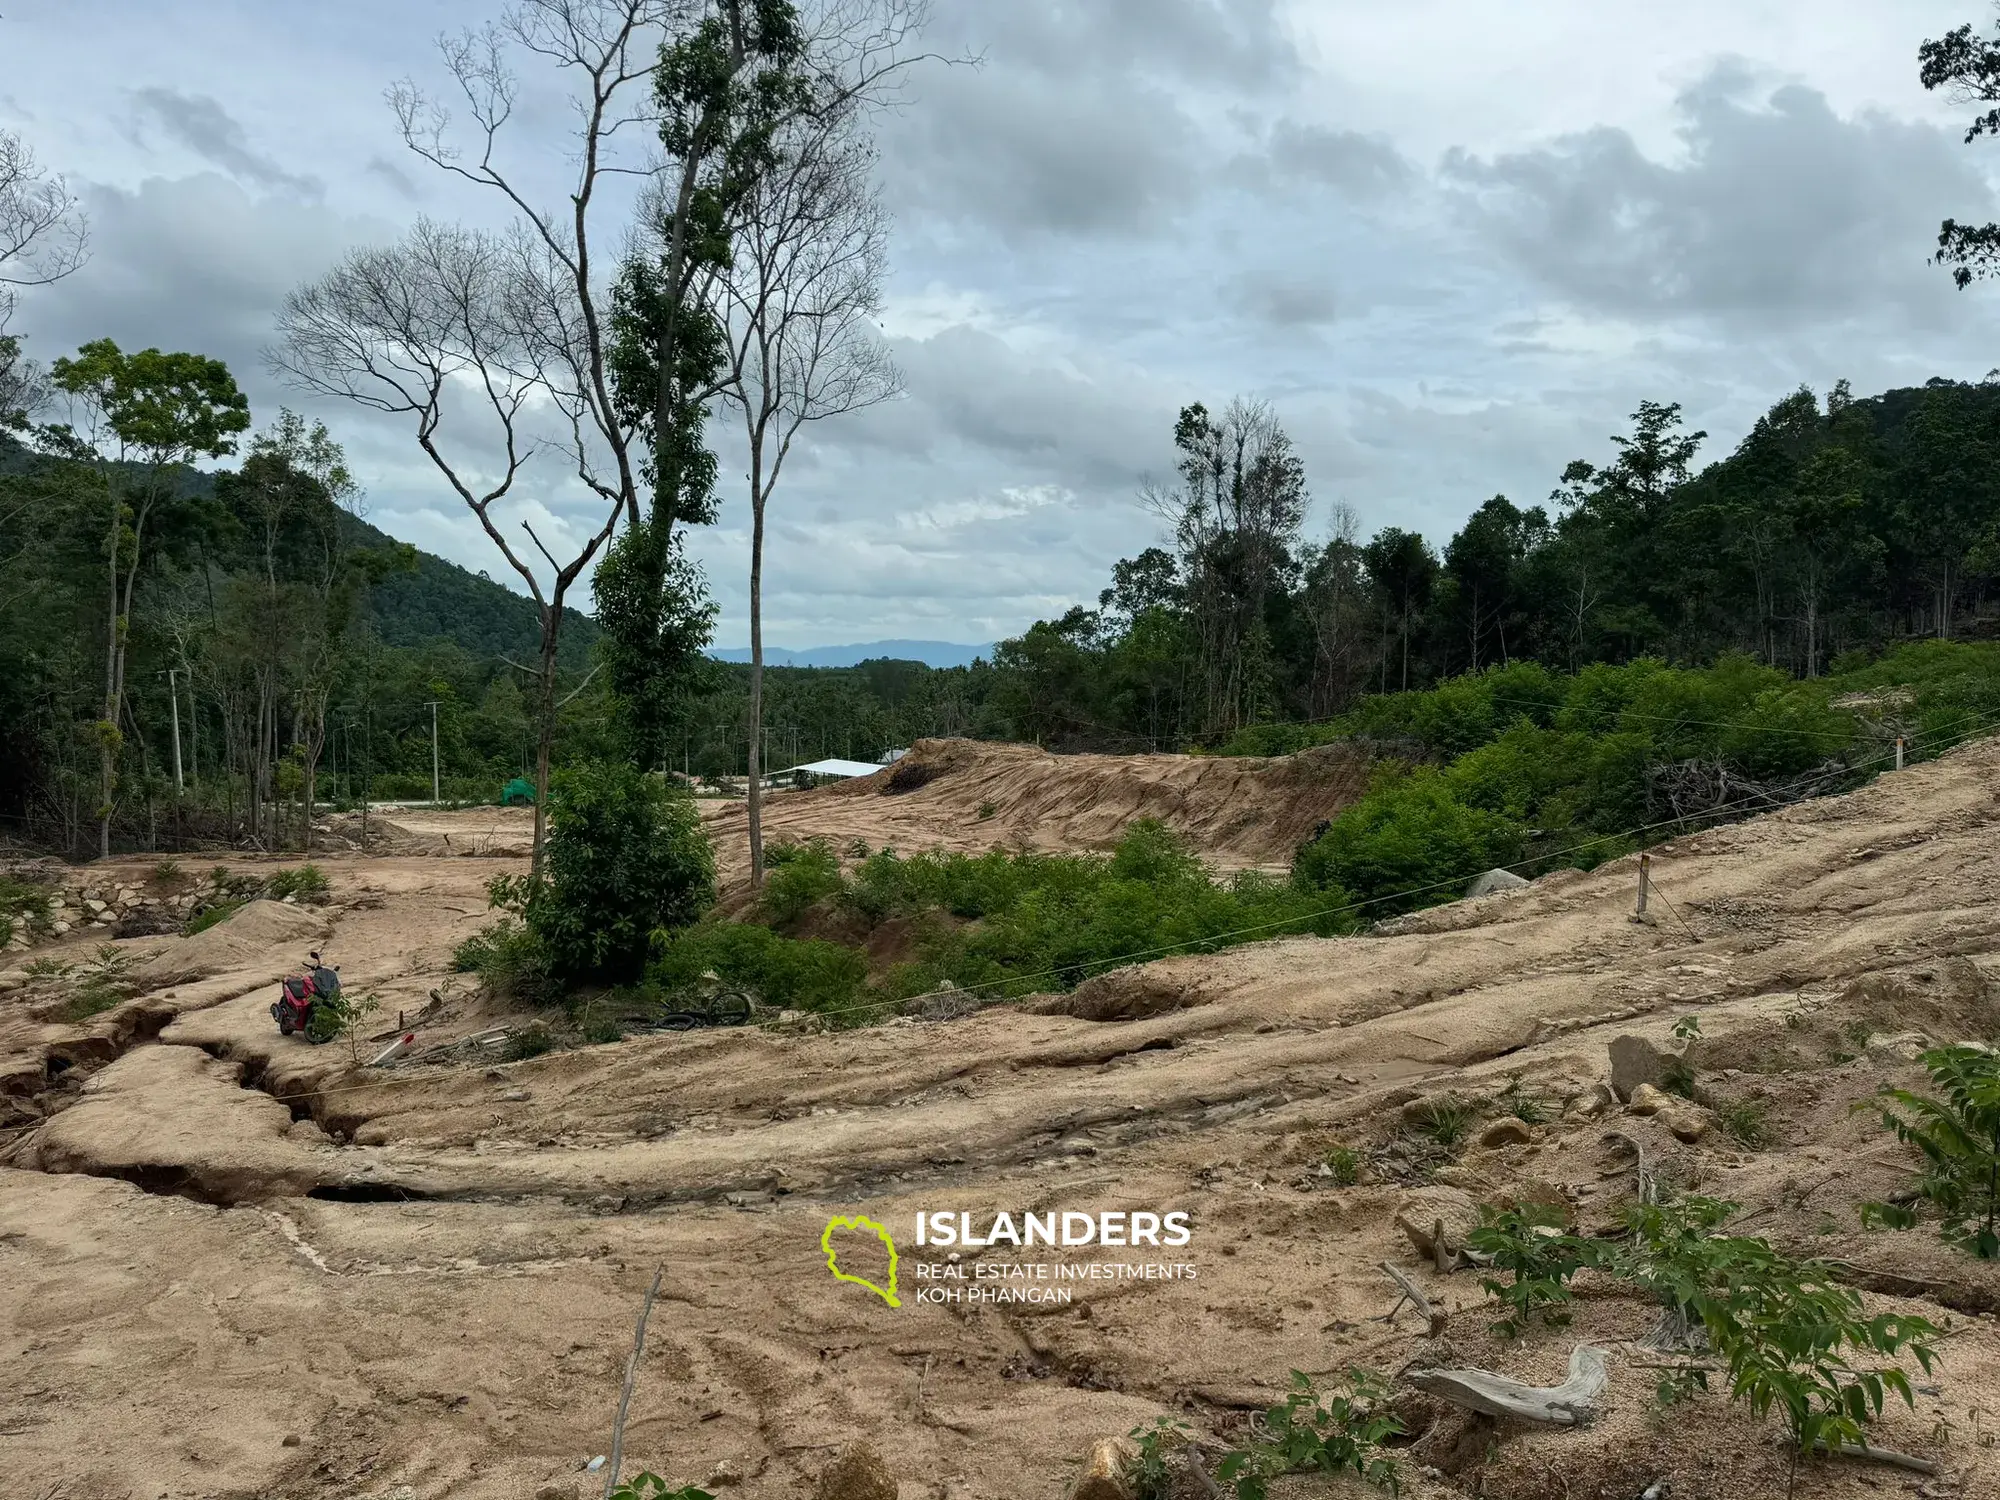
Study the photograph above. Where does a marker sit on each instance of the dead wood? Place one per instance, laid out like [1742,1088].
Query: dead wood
[1567,1405]
[1412,1294]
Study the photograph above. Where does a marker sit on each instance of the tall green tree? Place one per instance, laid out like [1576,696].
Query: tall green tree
[137,419]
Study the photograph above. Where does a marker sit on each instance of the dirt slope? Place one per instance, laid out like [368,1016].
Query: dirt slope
[429,1275]
[1237,811]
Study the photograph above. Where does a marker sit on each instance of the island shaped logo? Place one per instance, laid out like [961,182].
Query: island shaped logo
[867,1225]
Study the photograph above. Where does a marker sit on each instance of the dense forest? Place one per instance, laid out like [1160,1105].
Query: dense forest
[1836,529]
[305,646]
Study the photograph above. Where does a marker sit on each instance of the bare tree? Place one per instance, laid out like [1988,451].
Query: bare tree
[442,329]
[799,301]
[43,238]
[511,333]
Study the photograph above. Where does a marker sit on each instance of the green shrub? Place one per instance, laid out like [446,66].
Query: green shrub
[300,881]
[784,973]
[1746,1122]
[1344,1162]
[512,962]
[1341,1431]
[26,899]
[1958,1132]
[1408,843]
[1532,1244]
[101,983]
[798,877]
[214,912]
[651,1487]
[625,858]
[528,1041]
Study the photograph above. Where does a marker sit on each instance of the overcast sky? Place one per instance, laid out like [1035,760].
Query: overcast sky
[1453,242]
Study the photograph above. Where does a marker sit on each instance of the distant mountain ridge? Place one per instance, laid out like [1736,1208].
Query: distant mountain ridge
[930,653]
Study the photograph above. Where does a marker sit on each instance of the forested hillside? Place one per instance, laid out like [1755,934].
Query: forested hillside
[1837,528]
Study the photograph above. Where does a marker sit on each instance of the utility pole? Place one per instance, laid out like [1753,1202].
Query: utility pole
[434,752]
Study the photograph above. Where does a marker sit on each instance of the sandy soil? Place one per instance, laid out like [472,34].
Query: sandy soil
[214,1240]
[1238,811]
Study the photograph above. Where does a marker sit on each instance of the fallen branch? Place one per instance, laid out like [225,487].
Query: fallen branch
[1567,1405]
[1873,1455]
[1429,1312]
[631,1379]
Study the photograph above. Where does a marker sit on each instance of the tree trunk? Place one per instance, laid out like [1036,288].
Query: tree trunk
[107,733]
[545,731]
[756,787]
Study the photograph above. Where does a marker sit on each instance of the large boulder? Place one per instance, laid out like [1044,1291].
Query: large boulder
[1636,1061]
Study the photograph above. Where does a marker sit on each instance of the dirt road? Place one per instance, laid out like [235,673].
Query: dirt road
[218,1240]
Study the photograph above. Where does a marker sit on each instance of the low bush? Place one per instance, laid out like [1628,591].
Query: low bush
[798,876]
[214,912]
[626,857]
[299,882]
[24,899]
[1958,1132]
[1335,1432]
[512,962]
[1532,1244]
[1409,842]
[783,973]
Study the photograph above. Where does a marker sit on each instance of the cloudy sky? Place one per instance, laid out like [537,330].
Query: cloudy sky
[1453,243]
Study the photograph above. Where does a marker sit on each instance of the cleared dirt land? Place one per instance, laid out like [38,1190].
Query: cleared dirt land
[234,1265]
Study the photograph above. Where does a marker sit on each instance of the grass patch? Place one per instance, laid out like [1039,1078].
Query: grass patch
[1746,1122]
[530,1041]
[1445,1121]
[25,899]
[101,984]
[297,883]
[1344,1163]
[208,916]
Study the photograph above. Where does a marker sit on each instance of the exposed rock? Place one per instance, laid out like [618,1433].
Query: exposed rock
[556,1492]
[1595,1104]
[858,1474]
[1635,1061]
[1688,1122]
[1103,1476]
[1647,1100]
[1903,1047]
[1422,1209]
[1494,881]
[1506,1132]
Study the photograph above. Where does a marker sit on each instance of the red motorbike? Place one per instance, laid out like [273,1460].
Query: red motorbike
[300,994]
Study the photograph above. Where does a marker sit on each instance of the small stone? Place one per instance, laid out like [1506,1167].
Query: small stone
[516,1096]
[61,928]
[93,906]
[1103,1476]
[556,1492]
[724,1474]
[291,1440]
[1646,1100]
[858,1474]
[1506,1132]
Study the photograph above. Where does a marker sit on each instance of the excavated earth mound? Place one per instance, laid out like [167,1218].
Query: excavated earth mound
[1235,811]
[231,1264]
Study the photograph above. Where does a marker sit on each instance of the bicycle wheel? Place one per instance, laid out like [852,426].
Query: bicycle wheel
[730,1008]
[679,1020]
